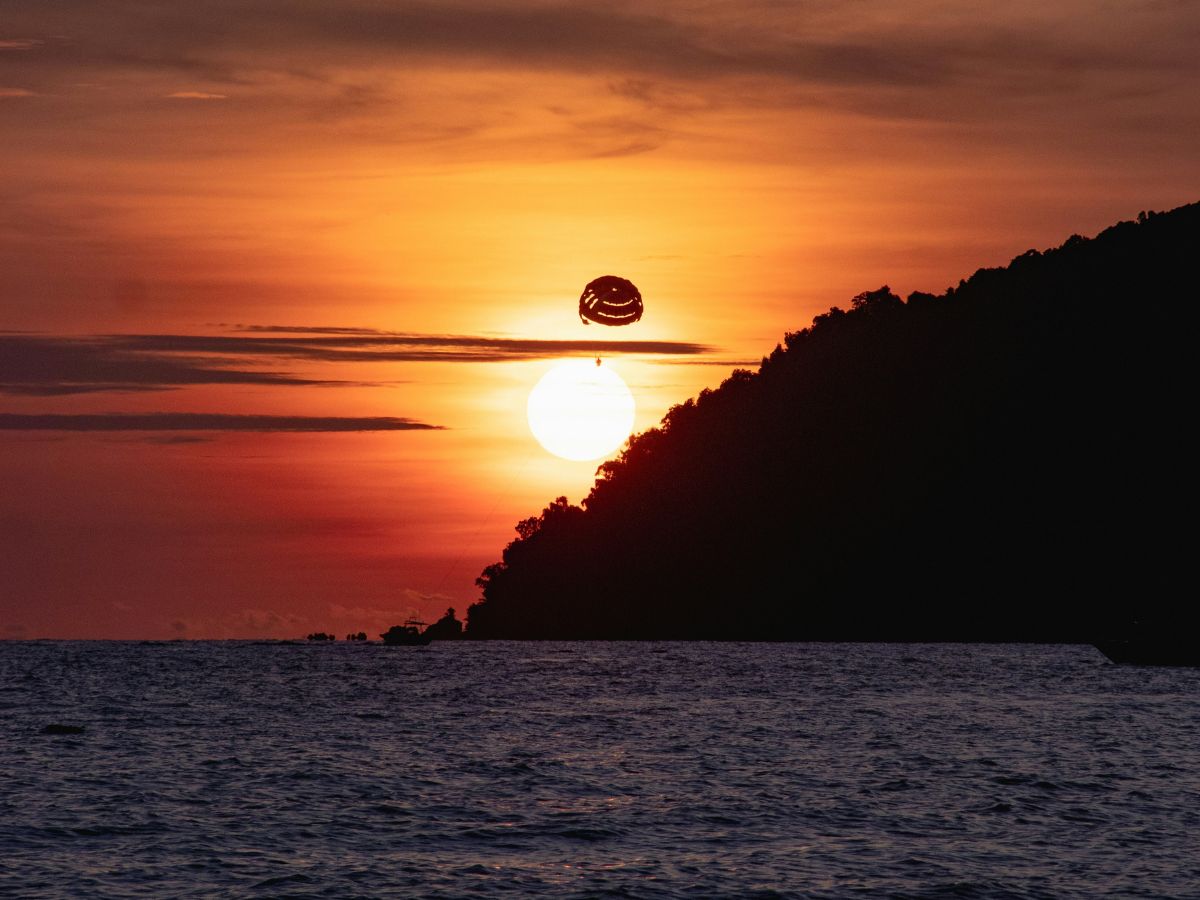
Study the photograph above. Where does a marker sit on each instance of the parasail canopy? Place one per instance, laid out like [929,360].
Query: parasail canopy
[610,300]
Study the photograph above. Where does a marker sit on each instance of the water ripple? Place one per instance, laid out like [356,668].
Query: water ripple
[595,770]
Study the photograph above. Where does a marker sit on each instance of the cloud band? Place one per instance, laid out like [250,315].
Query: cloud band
[167,421]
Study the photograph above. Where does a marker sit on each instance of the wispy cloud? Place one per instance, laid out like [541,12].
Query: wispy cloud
[43,365]
[243,623]
[802,46]
[196,95]
[204,422]
[16,92]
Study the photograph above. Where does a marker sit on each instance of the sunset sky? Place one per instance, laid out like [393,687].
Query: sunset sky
[290,269]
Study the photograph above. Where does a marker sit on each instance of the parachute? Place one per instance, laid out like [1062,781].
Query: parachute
[610,300]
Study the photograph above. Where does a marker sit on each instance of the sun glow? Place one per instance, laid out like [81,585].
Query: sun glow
[581,410]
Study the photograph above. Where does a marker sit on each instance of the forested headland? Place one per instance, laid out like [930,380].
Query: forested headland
[1008,460]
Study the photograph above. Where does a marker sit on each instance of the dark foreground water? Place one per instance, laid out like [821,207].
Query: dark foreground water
[596,770]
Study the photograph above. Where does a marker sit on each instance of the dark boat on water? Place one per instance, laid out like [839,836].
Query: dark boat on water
[407,635]
[1151,650]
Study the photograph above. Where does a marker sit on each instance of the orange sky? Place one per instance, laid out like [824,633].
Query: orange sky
[458,172]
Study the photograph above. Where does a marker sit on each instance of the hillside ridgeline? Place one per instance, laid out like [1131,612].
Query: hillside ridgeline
[992,463]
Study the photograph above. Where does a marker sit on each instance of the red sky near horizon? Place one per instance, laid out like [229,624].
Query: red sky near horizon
[307,214]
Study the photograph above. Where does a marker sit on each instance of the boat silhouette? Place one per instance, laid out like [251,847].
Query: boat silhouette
[407,635]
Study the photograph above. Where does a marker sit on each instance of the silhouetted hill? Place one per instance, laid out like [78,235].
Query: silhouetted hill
[996,462]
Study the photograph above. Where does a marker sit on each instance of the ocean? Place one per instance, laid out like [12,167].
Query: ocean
[642,770]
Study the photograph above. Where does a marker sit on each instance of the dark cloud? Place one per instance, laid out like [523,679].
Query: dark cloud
[178,439]
[359,344]
[812,44]
[577,36]
[724,363]
[626,150]
[45,366]
[166,421]
[40,365]
[592,38]
[300,329]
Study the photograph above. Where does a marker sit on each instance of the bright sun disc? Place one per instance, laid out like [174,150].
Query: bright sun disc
[580,410]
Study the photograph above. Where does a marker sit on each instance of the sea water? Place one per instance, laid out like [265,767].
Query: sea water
[595,770]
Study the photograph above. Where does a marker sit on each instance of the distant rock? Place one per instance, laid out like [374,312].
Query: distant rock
[321,636]
[447,628]
[56,728]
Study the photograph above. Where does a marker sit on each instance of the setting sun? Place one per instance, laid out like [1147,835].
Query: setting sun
[581,410]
